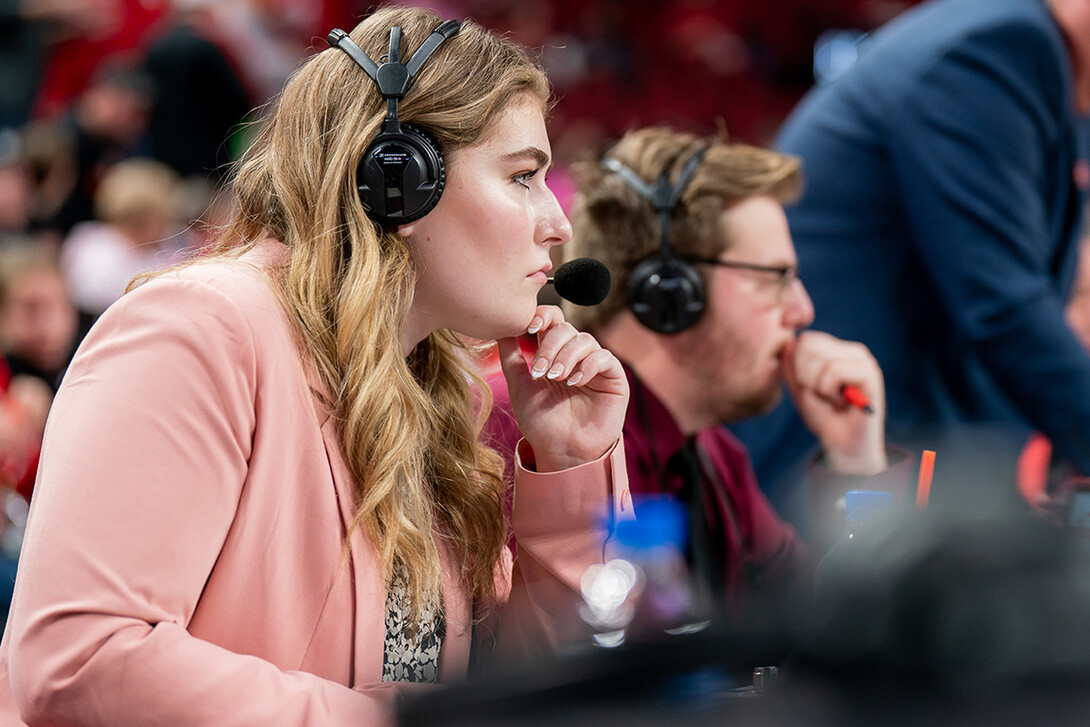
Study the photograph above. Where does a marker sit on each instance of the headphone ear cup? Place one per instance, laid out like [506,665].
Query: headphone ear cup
[401,176]
[666,294]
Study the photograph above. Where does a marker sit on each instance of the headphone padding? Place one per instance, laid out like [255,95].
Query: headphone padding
[401,176]
[666,294]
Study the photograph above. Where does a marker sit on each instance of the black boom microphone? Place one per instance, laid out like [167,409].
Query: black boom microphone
[583,281]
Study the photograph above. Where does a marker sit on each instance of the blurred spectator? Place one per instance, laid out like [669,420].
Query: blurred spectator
[217,59]
[103,32]
[263,40]
[49,159]
[137,209]
[27,30]
[107,124]
[16,186]
[39,331]
[39,324]
[201,94]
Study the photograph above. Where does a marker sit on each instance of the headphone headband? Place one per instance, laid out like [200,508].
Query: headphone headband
[664,196]
[665,292]
[401,175]
[337,38]
[394,82]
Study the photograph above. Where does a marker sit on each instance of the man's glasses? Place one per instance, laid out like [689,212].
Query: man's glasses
[784,274]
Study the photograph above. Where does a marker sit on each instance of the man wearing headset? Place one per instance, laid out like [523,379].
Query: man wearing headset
[705,313]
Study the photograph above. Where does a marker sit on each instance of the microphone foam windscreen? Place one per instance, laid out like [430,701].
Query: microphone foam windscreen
[583,281]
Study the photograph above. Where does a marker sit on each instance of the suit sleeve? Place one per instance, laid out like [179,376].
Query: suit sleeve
[144,461]
[970,152]
[562,522]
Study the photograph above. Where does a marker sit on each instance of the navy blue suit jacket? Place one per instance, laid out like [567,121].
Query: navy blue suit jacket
[939,227]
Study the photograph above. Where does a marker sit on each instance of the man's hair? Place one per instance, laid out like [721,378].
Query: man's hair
[136,190]
[614,223]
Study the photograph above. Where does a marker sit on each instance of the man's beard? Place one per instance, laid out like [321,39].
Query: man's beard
[752,405]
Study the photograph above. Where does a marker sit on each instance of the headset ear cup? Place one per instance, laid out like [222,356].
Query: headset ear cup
[401,176]
[666,294]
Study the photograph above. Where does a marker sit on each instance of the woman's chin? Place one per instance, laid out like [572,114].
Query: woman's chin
[497,331]
[516,325]
[513,321]
[513,330]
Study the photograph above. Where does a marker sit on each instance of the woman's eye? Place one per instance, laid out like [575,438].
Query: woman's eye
[523,178]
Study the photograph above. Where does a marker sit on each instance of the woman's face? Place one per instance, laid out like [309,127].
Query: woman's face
[483,252]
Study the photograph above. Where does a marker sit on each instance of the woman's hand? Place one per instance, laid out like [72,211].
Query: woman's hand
[570,404]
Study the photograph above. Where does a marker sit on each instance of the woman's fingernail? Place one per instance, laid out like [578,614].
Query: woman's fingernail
[535,325]
[539,368]
[555,371]
[575,378]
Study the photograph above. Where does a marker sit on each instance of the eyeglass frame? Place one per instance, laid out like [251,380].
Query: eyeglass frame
[786,274]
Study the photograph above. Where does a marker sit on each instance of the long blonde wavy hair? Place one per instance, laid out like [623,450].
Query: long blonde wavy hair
[408,427]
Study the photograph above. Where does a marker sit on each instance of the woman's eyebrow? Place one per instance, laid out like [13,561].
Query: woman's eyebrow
[530,152]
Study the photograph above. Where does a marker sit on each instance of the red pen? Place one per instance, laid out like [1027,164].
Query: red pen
[855,396]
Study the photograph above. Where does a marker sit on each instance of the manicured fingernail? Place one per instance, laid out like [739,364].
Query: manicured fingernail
[555,371]
[575,378]
[539,368]
[535,325]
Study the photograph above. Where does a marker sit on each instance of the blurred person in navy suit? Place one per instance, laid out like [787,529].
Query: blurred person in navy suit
[946,174]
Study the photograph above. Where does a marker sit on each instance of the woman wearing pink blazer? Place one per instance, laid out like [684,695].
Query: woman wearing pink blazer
[261,497]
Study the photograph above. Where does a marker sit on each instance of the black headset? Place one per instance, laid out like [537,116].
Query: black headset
[665,292]
[401,176]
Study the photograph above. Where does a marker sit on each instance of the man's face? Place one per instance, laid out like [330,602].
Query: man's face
[38,321]
[734,352]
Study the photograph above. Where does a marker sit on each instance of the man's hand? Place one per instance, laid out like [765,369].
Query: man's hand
[817,366]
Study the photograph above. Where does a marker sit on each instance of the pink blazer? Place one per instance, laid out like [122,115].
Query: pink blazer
[184,562]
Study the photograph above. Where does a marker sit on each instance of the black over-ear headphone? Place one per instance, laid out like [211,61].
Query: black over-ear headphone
[665,292]
[401,175]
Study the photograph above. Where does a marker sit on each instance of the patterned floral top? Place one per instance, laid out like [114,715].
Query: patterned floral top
[410,654]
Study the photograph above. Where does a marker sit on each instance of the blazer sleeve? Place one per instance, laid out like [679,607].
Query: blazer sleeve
[562,522]
[144,461]
[971,152]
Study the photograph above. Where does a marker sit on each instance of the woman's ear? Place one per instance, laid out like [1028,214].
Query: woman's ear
[406,230]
